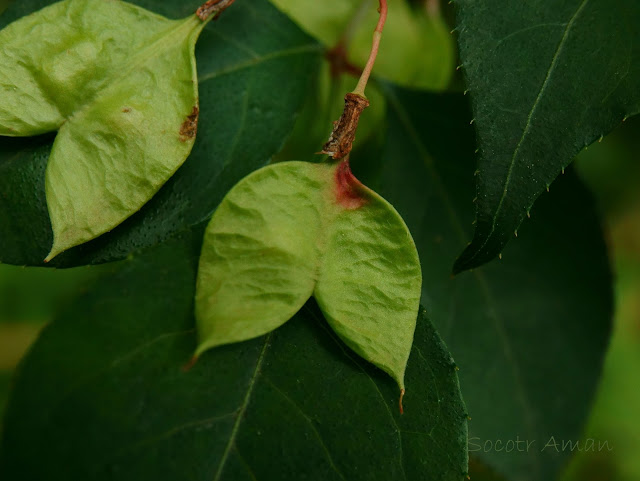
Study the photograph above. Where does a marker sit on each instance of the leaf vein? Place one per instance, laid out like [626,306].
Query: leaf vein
[246,464]
[243,408]
[311,48]
[527,127]
[375,386]
[310,422]
[173,431]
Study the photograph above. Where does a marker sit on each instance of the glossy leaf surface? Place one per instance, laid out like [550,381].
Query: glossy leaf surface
[242,57]
[120,85]
[546,78]
[296,229]
[103,395]
[529,332]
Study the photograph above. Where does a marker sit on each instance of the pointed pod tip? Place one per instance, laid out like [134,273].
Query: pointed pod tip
[190,363]
[54,252]
[402,391]
[62,242]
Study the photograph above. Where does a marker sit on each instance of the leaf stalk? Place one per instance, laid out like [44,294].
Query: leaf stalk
[341,140]
[215,7]
[377,36]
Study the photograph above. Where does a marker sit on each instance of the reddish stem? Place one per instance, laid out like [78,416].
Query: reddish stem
[377,36]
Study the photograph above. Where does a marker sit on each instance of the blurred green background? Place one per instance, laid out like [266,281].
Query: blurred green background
[30,298]
[612,170]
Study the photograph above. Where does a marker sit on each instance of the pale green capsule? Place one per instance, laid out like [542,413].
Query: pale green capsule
[294,230]
[119,84]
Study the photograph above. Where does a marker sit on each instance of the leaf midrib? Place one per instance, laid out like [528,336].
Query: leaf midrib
[247,398]
[254,61]
[527,128]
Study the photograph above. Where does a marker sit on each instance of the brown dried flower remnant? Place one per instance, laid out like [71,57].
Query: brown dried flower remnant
[213,6]
[344,130]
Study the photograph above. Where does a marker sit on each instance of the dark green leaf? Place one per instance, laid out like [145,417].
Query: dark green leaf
[529,333]
[254,65]
[546,78]
[103,395]
[5,384]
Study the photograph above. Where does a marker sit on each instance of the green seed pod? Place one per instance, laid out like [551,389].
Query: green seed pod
[119,84]
[294,230]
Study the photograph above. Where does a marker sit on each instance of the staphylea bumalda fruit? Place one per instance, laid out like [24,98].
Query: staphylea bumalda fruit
[296,229]
[293,230]
[119,85]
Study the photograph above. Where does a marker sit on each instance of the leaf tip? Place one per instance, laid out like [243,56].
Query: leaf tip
[402,391]
[459,266]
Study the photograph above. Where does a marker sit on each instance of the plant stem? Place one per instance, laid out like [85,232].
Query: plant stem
[344,130]
[377,36]
[213,6]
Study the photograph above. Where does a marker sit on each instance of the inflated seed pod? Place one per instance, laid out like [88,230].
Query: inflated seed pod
[119,85]
[294,230]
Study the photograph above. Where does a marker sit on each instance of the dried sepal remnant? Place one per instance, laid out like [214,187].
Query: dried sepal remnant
[344,130]
[189,127]
[293,230]
[116,81]
[215,7]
